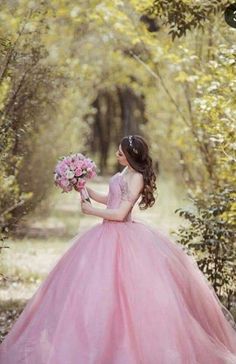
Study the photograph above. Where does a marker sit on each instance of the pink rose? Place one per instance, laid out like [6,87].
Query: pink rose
[78,171]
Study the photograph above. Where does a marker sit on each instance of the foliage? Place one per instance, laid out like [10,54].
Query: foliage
[183,15]
[208,88]
[211,236]
[27,99]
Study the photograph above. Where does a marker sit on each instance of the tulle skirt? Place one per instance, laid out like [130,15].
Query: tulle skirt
[123,293]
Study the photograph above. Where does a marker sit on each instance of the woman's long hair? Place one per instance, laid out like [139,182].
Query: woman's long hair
[136,152]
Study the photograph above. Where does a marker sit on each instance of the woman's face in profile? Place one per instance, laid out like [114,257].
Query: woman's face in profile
[121,157]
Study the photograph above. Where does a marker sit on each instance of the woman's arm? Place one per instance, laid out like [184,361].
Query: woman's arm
[108,214]
[99,197]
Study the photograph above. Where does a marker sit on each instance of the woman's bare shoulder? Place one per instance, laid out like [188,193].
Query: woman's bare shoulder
[137,177]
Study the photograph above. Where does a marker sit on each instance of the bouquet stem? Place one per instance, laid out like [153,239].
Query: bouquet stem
[84,195]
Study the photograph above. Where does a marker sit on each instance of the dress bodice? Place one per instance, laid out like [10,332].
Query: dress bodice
[118,190]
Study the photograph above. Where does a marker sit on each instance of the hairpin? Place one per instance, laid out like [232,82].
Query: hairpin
[131,145]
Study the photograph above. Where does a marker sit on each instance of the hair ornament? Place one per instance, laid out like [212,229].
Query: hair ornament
[131,145]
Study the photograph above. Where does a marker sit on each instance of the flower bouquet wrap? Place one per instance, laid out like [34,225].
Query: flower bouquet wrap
[72,172]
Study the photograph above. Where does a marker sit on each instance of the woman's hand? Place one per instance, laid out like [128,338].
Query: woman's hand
[89,191]
[86,207]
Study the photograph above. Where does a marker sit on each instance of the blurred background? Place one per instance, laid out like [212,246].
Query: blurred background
[77,76]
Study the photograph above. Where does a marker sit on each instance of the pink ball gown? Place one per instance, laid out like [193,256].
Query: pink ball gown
[123,293]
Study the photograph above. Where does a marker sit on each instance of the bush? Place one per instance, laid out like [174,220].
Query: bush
[211,237]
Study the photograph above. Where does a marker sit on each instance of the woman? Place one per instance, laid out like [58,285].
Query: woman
[123,293]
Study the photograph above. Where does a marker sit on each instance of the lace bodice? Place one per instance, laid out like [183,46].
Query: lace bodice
[118,191]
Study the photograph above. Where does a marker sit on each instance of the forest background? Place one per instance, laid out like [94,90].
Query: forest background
[76,76]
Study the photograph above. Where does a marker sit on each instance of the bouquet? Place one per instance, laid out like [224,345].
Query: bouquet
[73,171]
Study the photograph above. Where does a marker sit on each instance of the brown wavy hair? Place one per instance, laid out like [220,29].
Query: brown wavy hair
[139,159]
